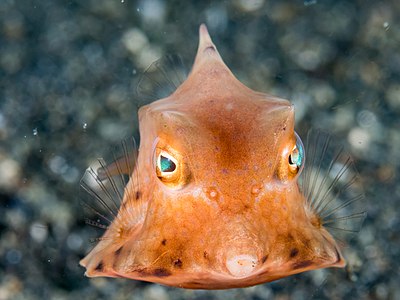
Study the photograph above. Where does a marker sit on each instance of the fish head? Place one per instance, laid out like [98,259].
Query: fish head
[217,172]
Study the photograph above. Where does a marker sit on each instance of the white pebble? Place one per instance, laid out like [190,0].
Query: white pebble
[250,5]
[134,40]
[38,232]
[359,138]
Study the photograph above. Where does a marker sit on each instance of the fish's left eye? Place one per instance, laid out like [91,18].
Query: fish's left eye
[296,157]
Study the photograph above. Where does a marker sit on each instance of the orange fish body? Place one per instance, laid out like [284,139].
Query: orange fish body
[214,200]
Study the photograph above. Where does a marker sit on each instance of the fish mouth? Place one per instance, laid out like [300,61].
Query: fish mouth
[241,265]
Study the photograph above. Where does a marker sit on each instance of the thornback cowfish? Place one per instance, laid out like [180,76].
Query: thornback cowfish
[220,194]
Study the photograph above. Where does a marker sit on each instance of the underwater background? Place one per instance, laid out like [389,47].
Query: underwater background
[68,77]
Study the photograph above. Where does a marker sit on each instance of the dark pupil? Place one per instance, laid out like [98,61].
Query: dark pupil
[167,165]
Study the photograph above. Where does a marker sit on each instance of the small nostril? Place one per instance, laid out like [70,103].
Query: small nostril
[256,189]
[212,193]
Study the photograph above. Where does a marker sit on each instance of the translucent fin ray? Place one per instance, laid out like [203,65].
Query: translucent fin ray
[103,190]
[161,79]
[330,184]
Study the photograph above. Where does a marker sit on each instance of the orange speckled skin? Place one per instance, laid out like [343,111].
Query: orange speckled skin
[233,194]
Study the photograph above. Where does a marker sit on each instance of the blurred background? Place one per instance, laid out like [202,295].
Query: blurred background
[68,75]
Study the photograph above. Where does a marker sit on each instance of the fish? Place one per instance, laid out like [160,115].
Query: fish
[219,193]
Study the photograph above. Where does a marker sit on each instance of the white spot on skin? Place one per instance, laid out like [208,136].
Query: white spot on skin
[205,195]
[213,194]
[196,192]
[241,265]
[229,106]
[255,189]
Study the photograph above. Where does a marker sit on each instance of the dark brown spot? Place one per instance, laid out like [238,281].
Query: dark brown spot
[164,242]
[264,258]
[138,195]
[161,272]
[100,266]
[205,255]
[178,263]
[118,251]
[141,272]
[290,237]
[294,252]
[302,264]
[158,272]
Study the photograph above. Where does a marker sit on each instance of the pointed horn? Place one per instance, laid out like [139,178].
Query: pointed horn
[205,42]
[206,48]
[209,72]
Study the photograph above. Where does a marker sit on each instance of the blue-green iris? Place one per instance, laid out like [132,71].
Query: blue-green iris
[297,155]
[166,164]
